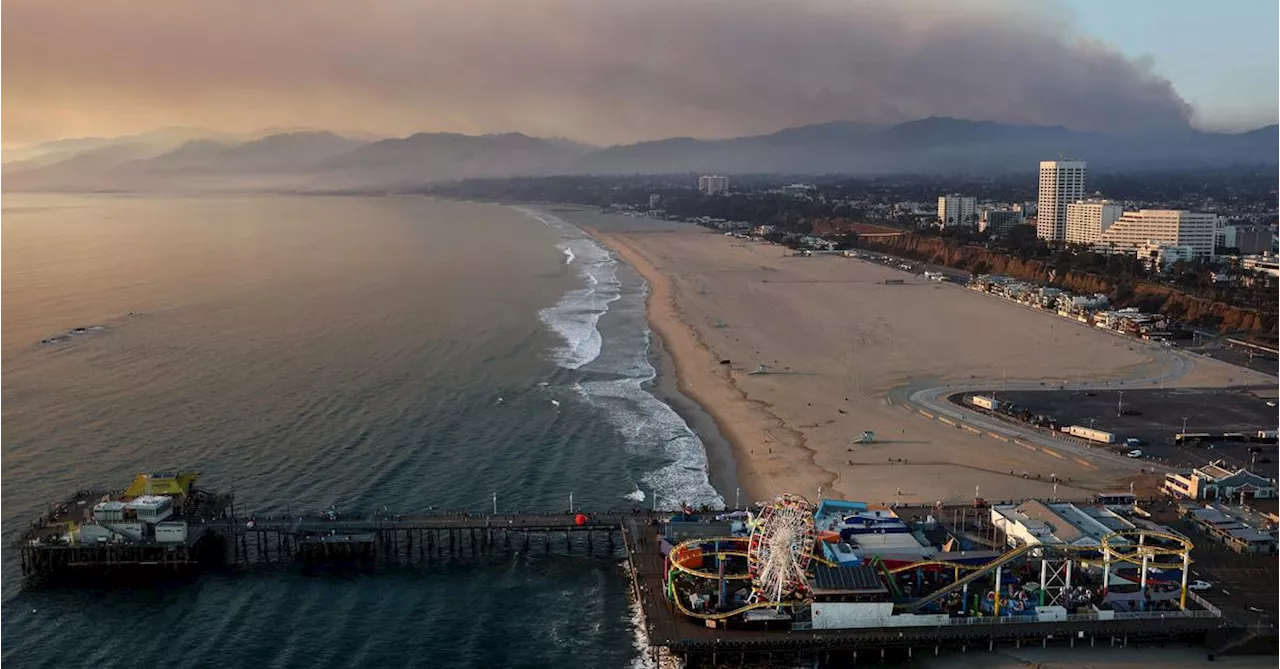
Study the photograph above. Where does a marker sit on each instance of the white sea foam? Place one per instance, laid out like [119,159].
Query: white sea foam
[575,316]
[650,428]
[641,637]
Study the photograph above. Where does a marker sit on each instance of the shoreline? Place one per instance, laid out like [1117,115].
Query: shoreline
[722,465]
[843,357]
[701,379]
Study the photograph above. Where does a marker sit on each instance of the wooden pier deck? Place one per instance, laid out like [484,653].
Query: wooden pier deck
[413,538]
[424,539]
[699,645]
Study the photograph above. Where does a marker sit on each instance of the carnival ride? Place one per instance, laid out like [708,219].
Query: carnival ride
[774,560]
[781,548]
[777,554]
[1143,548]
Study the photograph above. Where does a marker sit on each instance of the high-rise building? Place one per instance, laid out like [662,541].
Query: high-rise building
[1061,183]
[655,201]
[1136,229]
[957,210]
[1245,238]
[712,185]
[1088,219]
[998,221]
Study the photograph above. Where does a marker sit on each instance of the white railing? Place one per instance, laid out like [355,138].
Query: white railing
[1080,617]
[1217,613]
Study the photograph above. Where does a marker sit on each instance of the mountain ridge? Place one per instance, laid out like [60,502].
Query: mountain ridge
[320,159]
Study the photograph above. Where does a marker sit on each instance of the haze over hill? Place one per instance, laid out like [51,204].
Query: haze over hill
[319,160]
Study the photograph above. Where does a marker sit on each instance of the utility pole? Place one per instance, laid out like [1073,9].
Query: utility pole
[737,494]
[1184,427]
[1120,404]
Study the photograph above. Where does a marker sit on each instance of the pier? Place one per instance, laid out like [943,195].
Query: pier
[408,539]
[202,532]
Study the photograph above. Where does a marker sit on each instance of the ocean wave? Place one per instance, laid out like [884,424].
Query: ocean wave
[640,637]
[576,315]
[650,428]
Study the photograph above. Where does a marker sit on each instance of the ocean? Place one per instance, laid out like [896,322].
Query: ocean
[394,353]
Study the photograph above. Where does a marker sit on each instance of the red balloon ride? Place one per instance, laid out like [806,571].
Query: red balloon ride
[580,519]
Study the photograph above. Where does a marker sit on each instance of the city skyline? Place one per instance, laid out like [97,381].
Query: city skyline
[624,72]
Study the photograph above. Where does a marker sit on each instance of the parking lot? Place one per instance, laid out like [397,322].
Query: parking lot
[1238,356]
[1156,417]
[1243,585]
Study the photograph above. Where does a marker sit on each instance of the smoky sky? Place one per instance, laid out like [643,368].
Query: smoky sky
[592,70]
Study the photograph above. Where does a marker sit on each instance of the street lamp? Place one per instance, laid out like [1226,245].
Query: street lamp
[1184,427]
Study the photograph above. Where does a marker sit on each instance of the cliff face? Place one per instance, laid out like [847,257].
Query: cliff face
[1144,295]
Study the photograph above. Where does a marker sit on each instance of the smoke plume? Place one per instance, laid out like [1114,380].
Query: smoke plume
[591,70]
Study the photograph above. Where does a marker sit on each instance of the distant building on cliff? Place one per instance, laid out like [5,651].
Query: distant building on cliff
[957,210]
[999,221]
[712,185]
[1061,183]
[1138,229]
[1246,238]
[1088,219]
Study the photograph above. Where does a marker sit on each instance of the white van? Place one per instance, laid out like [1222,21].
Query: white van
[1135,453]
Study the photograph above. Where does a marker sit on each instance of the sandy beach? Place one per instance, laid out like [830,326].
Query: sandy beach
[839,346]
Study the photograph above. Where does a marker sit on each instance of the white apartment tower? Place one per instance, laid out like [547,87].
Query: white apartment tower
[1088,219]
[712,185]
[1061,183]
[1139,229]
[957,210]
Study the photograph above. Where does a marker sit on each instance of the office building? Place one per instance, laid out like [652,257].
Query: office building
[712,185]
[1247,239]
[655,201]
[957,210]
[1135,230]
[1088,219]
[998,221]
[1061,183]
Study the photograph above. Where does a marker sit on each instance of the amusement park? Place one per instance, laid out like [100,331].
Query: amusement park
[789,564]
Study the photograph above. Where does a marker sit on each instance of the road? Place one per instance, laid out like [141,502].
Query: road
[1174,364]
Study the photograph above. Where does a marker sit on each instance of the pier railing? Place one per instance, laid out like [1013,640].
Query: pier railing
[1084,617]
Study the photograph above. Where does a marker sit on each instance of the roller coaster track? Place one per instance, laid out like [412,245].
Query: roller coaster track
[930,563]
[675,597]
[1127,552]
[969,578]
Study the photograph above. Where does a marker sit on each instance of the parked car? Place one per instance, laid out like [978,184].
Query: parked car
[1200,585]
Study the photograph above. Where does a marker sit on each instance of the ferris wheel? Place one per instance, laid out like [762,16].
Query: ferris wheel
[781,545]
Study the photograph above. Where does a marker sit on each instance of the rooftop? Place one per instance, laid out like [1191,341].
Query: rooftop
[857,579]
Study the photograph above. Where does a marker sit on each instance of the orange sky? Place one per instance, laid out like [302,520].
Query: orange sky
[591,70]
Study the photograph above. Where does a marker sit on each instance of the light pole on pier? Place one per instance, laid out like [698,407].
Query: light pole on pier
[495,503]
[1184,427]
[737,494]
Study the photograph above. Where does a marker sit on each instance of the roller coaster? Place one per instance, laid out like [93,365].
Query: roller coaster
[1140,547]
